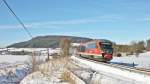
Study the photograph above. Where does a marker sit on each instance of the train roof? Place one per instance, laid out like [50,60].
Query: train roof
[100,40]
[104,40]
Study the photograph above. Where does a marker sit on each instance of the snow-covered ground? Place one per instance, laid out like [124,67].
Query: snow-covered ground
[13,58]
[108,75]
[19,58]
[48,73]
[13,68]
[40,78]
[143,60]
[13,73]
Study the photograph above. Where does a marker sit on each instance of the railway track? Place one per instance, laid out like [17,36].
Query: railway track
[121,66]
[132,75]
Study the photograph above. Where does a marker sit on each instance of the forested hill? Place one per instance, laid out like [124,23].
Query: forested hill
[47,41]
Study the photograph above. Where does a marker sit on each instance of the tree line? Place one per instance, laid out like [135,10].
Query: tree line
[133,48]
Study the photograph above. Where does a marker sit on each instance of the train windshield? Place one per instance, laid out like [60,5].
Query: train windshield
[106,47]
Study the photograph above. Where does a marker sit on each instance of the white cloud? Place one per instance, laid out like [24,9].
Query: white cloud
[146,19]
[9,26]
[56,24]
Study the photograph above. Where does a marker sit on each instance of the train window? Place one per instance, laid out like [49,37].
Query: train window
[93,45]
[82,48]
[105,45]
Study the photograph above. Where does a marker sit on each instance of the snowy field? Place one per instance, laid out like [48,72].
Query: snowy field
[13,68]
[13,73]
[13,58]
[18,58]
[142,61]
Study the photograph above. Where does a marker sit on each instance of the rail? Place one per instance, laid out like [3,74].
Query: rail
[120,66]
[117,71]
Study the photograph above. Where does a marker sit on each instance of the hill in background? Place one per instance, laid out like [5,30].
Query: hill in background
[47,41]
[52,41]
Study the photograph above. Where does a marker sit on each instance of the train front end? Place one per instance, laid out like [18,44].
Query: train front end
[107,50]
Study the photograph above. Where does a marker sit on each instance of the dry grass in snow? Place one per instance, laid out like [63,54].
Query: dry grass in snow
[54,71]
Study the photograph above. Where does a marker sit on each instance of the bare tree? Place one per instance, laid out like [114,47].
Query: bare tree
[138,47]
[33,61]
[47,59]
[65,45]
[148,45]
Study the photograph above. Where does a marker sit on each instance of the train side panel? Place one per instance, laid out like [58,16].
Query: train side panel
[93,51]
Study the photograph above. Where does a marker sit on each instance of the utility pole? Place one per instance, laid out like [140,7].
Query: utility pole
[47,54]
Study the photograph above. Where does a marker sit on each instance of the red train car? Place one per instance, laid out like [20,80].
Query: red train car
[100,50]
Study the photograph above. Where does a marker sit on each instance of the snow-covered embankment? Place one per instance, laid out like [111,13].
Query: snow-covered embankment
[13,68]
[115,73]
[13,73]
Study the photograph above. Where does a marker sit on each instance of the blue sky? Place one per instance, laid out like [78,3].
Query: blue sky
[118,20]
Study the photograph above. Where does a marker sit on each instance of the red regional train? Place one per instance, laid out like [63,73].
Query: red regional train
[100,50]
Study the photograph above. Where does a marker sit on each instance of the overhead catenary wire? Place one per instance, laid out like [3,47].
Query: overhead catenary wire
[26,30]
[17,18]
